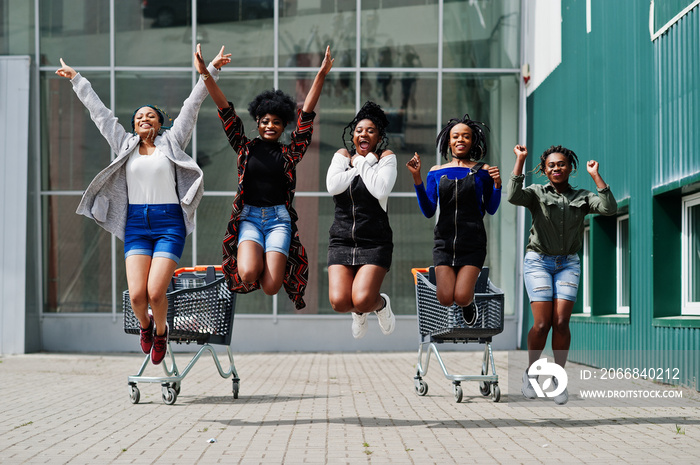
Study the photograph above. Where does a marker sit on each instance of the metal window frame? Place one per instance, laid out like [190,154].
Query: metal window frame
[621,309]
[688,307]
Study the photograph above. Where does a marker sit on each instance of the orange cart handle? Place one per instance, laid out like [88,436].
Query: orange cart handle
[191,269]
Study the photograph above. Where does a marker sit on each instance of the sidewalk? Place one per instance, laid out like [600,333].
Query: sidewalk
[334,408]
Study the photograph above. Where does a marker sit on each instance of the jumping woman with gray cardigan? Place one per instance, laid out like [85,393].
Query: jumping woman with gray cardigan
[146,197]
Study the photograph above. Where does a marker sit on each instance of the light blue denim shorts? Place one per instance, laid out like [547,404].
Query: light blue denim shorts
[271,227]
[549,277]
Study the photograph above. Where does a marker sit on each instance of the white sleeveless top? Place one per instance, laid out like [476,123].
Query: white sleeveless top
[150,179]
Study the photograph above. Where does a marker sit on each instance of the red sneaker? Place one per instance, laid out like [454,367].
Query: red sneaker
[147,337]
[160,347]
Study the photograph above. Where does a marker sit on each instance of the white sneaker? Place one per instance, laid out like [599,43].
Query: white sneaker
[387,320]
[359,325]
[562,398]
[527,390]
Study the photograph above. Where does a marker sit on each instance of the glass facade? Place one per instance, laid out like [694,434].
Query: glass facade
[422,65]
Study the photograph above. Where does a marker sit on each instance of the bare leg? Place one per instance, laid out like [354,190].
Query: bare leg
[137,268]
[250,261]
[445,278]
[464,286]
[158,279]
[542,313]
[273,272]
[340,278]
[561,335]
[365,288]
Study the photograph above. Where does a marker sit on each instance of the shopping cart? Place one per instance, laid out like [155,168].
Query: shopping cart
[438,324]
[200,309]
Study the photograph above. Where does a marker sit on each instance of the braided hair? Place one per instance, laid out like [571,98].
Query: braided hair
[273,102]
[478,149]
[568,154]
[375,114]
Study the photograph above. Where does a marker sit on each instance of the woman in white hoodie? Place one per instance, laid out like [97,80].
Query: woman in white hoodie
[360,246]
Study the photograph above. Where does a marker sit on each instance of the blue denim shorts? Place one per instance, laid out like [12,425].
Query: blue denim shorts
[549,277]
[155,230]
[271,227]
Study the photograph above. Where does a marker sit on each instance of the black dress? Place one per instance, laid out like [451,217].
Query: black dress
[460,235]
[360,233]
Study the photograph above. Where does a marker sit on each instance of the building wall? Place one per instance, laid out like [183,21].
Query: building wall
[632,104]
[423,61]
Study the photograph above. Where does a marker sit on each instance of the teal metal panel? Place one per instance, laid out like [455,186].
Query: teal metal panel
[677,59]
[633,105]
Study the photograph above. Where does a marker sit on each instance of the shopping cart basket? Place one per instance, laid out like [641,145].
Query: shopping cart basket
[200,309]
[438,324]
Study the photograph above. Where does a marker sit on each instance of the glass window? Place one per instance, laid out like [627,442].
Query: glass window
[691,255]
[16,27]
[245,27]
[73,150]
[154,33]
[305,32]
[77,259]
[399,34]
[481,34]
[586,270]
[67,26]
[623,264]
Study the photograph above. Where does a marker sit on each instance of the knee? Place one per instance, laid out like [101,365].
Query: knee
[541,328]
[156,298]
[464,298]
[341,304]
[446,299]
[248,275]
[561,326]
[364,302]
[271,288]
[139,298]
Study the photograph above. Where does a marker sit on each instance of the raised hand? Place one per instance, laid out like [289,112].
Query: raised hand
[414,166]
[221,59]
[199,64]
[327,63]
[65,70]
[592,167]
[495,174]
[520,151]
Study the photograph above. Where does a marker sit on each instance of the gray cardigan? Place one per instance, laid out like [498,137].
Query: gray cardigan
[106,198]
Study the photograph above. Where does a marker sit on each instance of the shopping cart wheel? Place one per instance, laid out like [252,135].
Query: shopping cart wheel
[236,385]
[484,388]
[457,392]
[134,394]
[169,394]
[496,393]
[176,386]
[421,387]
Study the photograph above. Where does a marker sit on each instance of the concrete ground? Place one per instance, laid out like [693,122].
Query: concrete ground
[335,408]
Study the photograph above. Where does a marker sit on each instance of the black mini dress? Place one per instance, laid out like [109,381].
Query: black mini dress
[360,233]
[460,235]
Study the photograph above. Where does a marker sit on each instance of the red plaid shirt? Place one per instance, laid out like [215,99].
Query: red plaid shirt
[297,271]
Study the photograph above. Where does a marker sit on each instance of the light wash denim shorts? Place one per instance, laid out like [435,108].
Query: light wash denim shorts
[549,277]
[271,227]
[156,230]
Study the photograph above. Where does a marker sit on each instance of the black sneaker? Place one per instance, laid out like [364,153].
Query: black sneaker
[470,313]
[147,337]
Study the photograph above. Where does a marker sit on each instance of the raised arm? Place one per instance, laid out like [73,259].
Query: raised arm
[315,91]
[219,60]
[604,203]
[516,194]
[108,124]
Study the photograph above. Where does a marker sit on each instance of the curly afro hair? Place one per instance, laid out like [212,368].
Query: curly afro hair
[375,114]
[478,149]
[274,102]
[568,154]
